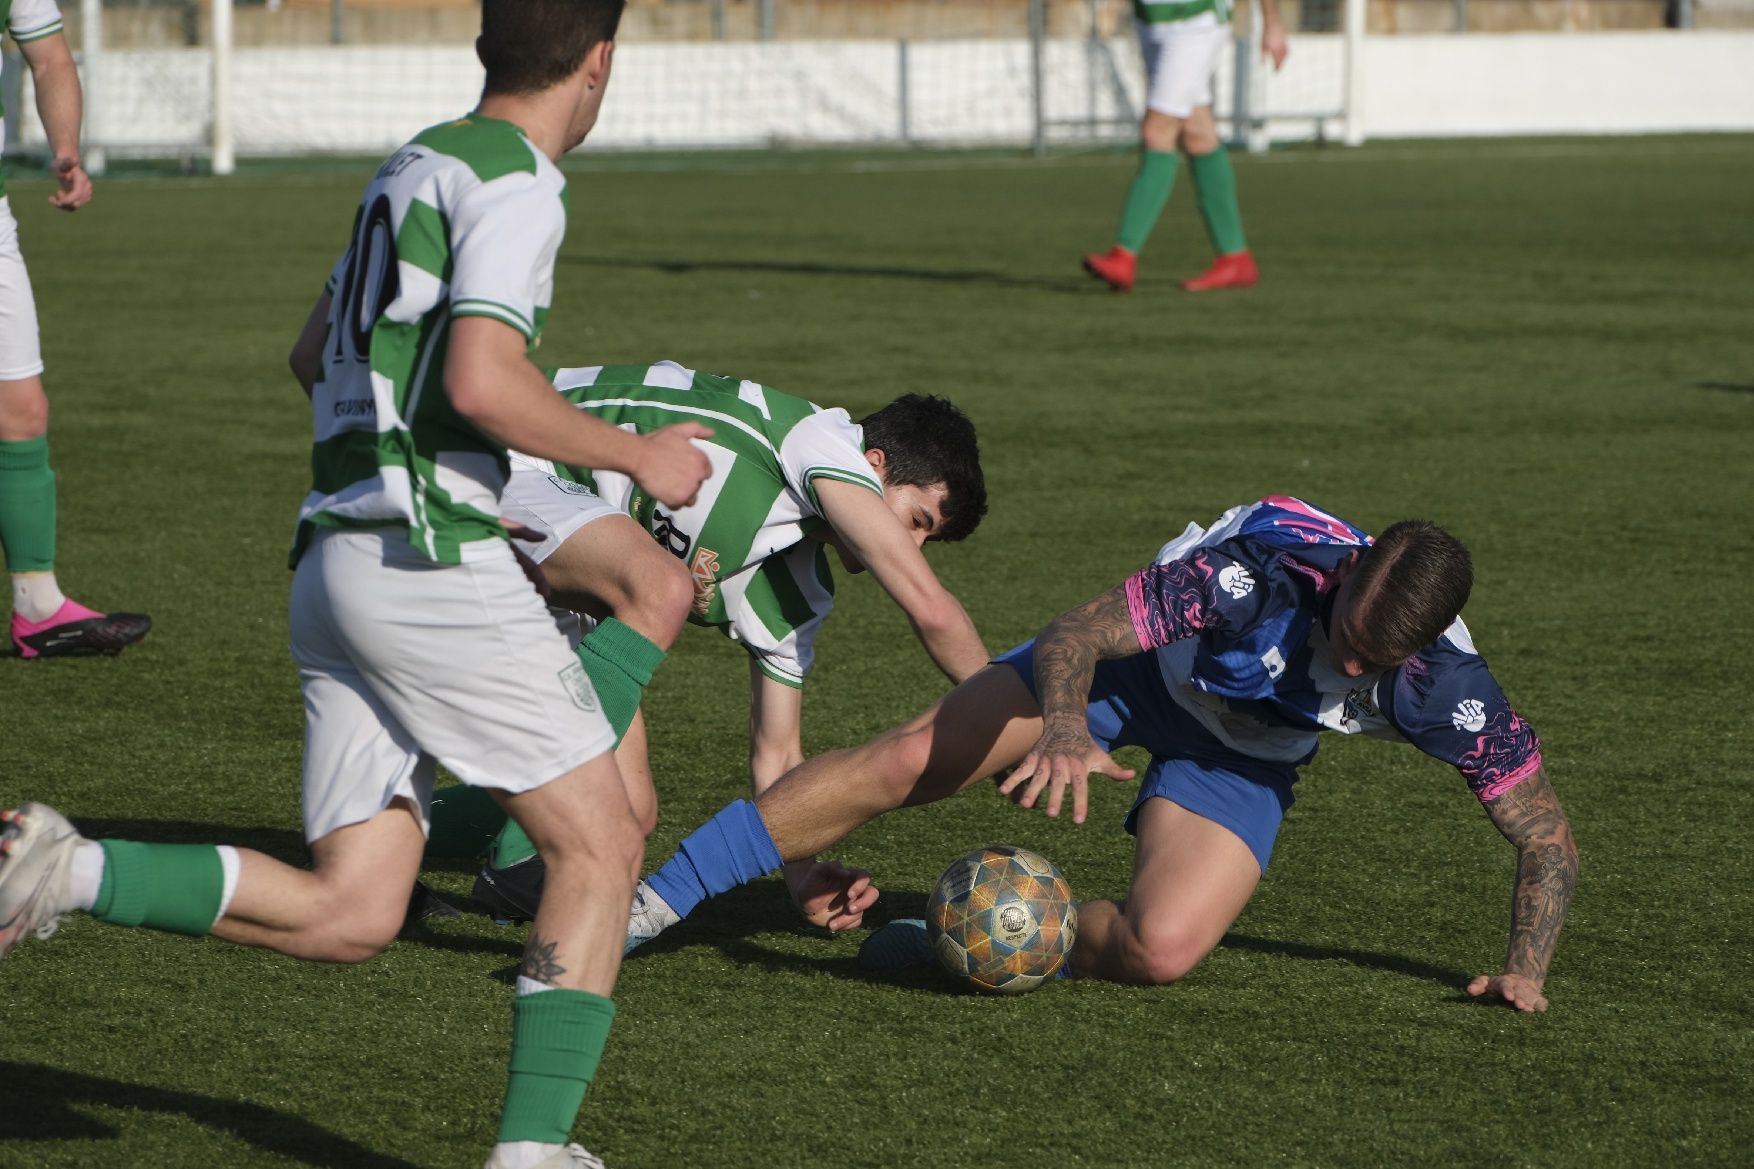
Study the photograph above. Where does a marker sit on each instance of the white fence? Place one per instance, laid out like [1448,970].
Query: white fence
[369,99]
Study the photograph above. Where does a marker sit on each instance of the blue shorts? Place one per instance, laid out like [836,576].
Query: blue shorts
[1131,707]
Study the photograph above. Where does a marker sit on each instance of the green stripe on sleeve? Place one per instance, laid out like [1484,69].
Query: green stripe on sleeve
[499,312]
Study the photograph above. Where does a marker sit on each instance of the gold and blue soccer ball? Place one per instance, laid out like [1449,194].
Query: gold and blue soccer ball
[1002,919]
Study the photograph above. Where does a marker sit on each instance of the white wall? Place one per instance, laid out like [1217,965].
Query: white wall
[369,99]
[1595,83]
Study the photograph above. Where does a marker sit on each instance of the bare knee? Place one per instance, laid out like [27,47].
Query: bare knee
[1199,140]
[1160,131]
[24,411]
[349,929]
[659,607]
[604,858]
[1159,956]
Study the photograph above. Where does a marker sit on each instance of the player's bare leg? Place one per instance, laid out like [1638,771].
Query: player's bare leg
[587,832]
[1191,878]
[346,908]
[984,725]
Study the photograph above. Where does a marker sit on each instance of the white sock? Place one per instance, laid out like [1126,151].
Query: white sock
[522,1154]
[36,596]
[232,866]
[86,875]
[531,986]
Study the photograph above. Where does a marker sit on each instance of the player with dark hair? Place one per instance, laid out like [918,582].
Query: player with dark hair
[1223,659]
[789,480]
[418,637]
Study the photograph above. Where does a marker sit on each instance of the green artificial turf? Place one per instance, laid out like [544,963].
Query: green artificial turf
[1547,346]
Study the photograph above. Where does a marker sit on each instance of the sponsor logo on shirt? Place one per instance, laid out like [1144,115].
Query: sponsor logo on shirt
[1360,704]
[1235,580]
[704,569]
[356,408]
[671,538]
[1470,715]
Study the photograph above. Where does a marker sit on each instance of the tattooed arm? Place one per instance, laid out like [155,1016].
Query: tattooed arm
[1066,653]
[1530,817]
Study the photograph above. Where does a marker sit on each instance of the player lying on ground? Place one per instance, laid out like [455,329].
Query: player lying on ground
[1223,660]
[418,637]
[788,479]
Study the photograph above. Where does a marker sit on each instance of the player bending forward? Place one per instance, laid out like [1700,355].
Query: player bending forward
[1223,660]
[418,638]
[1183,41]
[788,479]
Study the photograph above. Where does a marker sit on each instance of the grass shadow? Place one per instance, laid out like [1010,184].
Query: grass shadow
[1396,963]
[42,1104]
[985,277]
[1728,387]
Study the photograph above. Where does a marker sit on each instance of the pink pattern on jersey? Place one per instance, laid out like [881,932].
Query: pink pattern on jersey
[1168,601]
[1312,524]
[1325,582]
[1504,755]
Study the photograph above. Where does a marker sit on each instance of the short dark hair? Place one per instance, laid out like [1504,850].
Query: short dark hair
[528,46]
[926,441]
[1410,585]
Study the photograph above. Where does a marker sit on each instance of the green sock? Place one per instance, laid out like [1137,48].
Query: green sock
[1146,198]
[620,662]
[557,1042]
[1215,192]
[464,821]
[27,505]
[173,887]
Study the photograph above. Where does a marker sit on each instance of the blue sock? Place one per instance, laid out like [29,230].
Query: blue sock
[731,849]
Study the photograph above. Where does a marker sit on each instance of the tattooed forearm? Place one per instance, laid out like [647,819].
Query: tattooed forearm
[1530,817]
[1067,651]
[539,963]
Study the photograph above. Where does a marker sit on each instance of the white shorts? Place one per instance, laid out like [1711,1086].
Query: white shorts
[406,663]
[1180,58]
[546,503]
[21,352]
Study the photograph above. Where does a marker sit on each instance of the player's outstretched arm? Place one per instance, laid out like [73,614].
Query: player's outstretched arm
[829,893]
[1530,817]
[493,385]
[1066,653]
[61,105]
[869,531]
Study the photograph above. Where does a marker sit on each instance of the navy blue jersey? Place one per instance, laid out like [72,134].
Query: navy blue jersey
[1236,617]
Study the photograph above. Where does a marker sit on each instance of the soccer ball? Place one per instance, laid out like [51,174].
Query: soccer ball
[1002,919]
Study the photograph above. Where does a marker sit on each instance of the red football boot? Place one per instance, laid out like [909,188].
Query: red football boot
[1115,267]
[1236,270]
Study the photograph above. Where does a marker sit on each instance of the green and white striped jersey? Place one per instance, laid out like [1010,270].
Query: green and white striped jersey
[745,541]
[465,220]
[27,20]
[1172,11]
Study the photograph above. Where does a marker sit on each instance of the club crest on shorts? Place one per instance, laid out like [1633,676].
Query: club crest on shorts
[578,686]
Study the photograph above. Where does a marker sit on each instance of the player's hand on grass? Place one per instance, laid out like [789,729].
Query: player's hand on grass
[670,467]
[1513,990]
[1062,756]
[75,184]
[831,894]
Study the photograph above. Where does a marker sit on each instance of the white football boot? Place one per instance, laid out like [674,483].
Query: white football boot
[570,1157]
[36,854]
[650,916]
